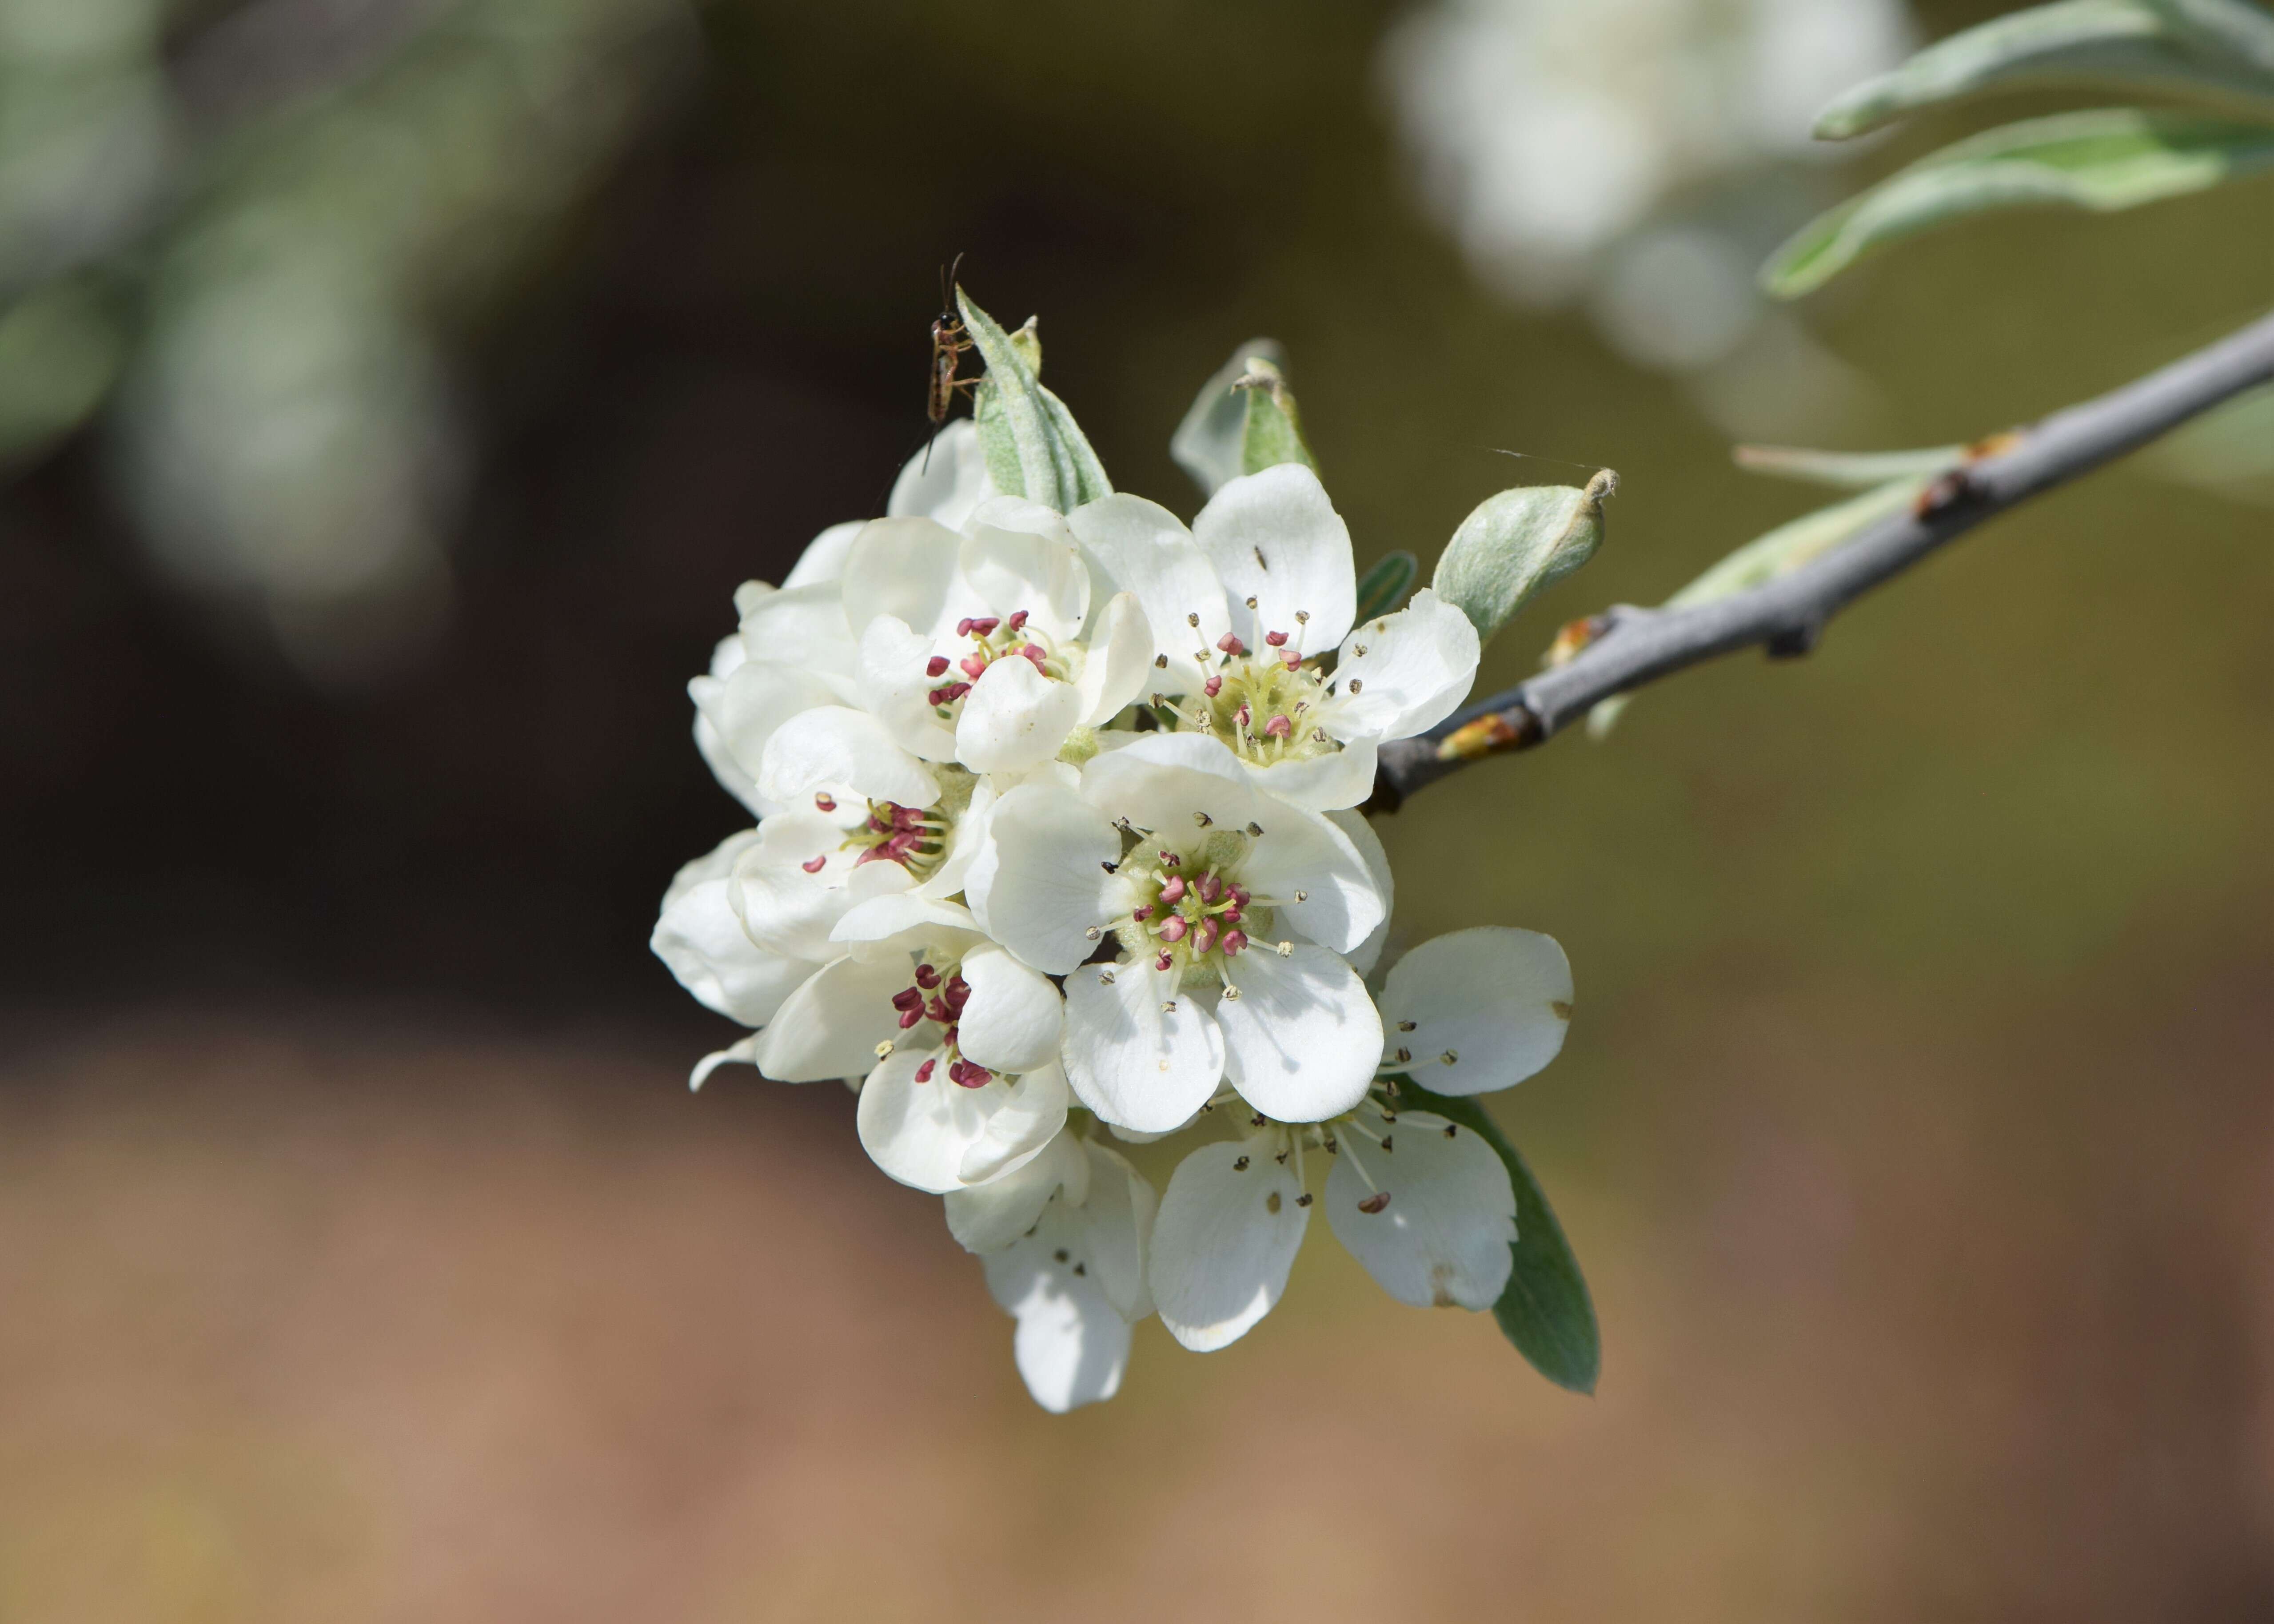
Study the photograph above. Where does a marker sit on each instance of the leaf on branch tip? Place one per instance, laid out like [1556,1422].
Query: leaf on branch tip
[2110,159]
[1516,544]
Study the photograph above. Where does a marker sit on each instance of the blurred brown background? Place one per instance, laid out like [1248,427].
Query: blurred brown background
[440,371]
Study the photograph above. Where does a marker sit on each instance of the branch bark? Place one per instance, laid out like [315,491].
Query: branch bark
[1632,646]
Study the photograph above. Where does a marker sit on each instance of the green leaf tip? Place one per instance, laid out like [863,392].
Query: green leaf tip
[1384,587]
[1519,543]
[2203,50]
[1545,1311]
[2103,161]
[1032,446]
[1243,420]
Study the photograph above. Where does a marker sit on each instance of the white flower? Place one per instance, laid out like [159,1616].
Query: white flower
[1063,1241]
[793,648]
[1169,845]
[983,648]
[1426,1205]
[1244,606]
[699,936]
[968,1087]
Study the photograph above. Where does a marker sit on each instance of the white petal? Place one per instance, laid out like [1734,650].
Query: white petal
[745,1051]
[787,909]
[841,751]
[906,921]
[1142,548]
[831,1025]
[1014,1015]
[1274,537]
[1120,659]
[742,786]
[1496,1000]
[1443,1238]
[925,1133]
[747,707]
[1031,1114]
[1300,853]
[1115,1223]
[965,837]
[896,687]
[802,627]
[1301,1039]
[823,558]
[988,1217]
[1367,953]
[1039,884]
[1402,673]
[903,568]
[1160,780]
[1014,717]
[700,937]
[1326,783]
[945,480]
[1138,1052]
[1071,1344]
[1020,555]
[1226,1235]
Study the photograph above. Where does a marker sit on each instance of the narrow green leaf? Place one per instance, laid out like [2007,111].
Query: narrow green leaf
[2110,159]
[1089,479]
[1846,470]
[1383,588]
[1545,1310]
[2123,44]
[2235,28]
[1207,444]
[1038,465]
[1785,548]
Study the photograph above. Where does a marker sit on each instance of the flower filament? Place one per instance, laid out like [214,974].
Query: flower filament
[1264,704]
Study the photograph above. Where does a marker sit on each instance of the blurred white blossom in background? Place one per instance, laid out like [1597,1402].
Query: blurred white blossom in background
[242,231]
[1637,157]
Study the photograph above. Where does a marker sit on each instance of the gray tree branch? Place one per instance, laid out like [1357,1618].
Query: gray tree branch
[1632,646]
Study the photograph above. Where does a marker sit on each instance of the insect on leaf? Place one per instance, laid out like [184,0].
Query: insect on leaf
[2110,159]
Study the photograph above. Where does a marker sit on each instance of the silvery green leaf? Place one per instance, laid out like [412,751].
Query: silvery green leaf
[60,349]
[1032,446]
[1273,430]
[2128,44]
[1090,482]
[2241,30]
[1516,543]
[1383,588]
[1545,1310]
[2110,159]
[1846,470]
[1785,548]
[1207,444]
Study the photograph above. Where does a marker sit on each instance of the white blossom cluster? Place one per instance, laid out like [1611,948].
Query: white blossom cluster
[1057,845]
